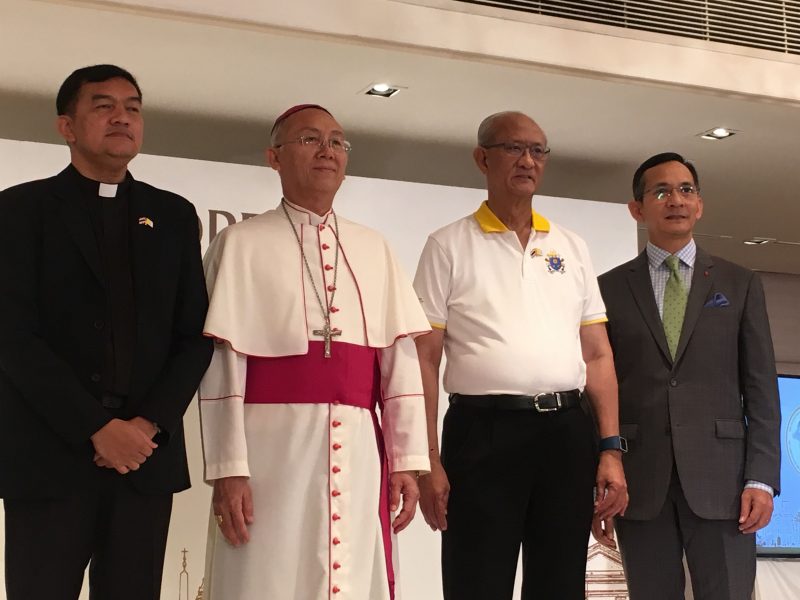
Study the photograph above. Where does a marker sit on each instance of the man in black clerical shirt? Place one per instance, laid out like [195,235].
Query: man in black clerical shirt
[102,304]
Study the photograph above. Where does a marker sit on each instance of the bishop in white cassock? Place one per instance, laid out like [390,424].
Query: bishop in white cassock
[314,324]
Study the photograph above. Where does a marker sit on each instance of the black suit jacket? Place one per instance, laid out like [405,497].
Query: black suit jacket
[52,343]
[714,411]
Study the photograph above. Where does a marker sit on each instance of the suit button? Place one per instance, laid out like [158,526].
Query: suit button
[673,382]
[95,377]
[99,324]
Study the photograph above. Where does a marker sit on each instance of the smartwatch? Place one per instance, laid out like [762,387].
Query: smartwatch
[614,442]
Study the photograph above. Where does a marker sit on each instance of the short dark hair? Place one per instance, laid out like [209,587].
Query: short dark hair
[68,92]
[654,161]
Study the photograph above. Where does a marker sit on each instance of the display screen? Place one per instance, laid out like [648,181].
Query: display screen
[782,536]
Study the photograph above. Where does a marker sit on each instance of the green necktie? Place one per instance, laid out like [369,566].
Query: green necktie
[674,304]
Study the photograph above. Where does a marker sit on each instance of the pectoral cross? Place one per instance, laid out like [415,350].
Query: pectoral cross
[327,334]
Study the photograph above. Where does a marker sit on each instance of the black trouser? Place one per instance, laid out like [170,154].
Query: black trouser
[122,532]
[518,478]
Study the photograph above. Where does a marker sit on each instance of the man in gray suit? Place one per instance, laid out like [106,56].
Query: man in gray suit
[698,401]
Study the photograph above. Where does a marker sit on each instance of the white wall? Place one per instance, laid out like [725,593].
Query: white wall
[404,212]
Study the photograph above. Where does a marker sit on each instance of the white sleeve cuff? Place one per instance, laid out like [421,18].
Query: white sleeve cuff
[757,485]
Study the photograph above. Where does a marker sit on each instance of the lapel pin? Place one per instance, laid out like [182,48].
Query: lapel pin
[705,273]
[536,252]
[146,221]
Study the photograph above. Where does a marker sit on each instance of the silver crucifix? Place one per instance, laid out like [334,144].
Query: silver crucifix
[327,334]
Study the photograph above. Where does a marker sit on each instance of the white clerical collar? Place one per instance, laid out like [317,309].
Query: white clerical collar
[107,190]
[304,216]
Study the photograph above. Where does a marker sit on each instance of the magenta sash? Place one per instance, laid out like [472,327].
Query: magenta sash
[350,376]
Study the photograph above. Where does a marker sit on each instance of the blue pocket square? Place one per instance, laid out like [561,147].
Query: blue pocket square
[718,300]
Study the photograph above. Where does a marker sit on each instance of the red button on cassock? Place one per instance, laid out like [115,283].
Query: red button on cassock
[336,565]
[335,517]
[337,446]
[321,226]
[335,469]
[336,589]
[325,246]
[336,493]
[336,541]
[328,267]
[336,423]
[334,309]
[331,288]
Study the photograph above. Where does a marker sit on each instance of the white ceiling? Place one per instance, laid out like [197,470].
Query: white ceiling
[212,89]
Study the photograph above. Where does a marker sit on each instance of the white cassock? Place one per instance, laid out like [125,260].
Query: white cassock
[302,427]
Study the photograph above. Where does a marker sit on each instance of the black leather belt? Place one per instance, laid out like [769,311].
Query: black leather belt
[549,402]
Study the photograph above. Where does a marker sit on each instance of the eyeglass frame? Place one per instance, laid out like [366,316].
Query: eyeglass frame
[308,140]
[525,148]
[668,191]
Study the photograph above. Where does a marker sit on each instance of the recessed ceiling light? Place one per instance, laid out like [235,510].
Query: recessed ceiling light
[382,90]
[759,241]
[717,133]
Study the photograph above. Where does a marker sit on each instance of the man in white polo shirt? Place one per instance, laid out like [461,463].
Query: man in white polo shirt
[515,306]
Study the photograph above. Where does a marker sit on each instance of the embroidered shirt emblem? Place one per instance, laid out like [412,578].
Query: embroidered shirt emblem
[555,264]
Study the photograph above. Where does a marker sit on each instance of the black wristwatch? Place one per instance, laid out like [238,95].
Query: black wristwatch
[614,442]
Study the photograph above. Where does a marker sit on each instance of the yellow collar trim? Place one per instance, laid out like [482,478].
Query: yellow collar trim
[489,222]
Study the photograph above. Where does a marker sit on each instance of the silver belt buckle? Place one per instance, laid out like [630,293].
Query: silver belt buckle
[538,408]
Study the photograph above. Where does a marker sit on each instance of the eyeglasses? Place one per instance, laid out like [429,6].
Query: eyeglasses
[538,152]
[334,144]
[662,192]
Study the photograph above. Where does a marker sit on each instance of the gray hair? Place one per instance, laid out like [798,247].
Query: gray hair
[487,127]
[276,134]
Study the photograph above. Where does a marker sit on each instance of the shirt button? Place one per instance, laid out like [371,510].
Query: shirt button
[99,324]
[95,377]
[336,423]
[328,267]
[337,446]
[335,469]
[673,382]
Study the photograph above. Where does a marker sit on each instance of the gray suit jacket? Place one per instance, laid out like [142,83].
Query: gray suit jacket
[714,412]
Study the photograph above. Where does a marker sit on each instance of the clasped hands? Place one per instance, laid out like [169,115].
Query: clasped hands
[124,445]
